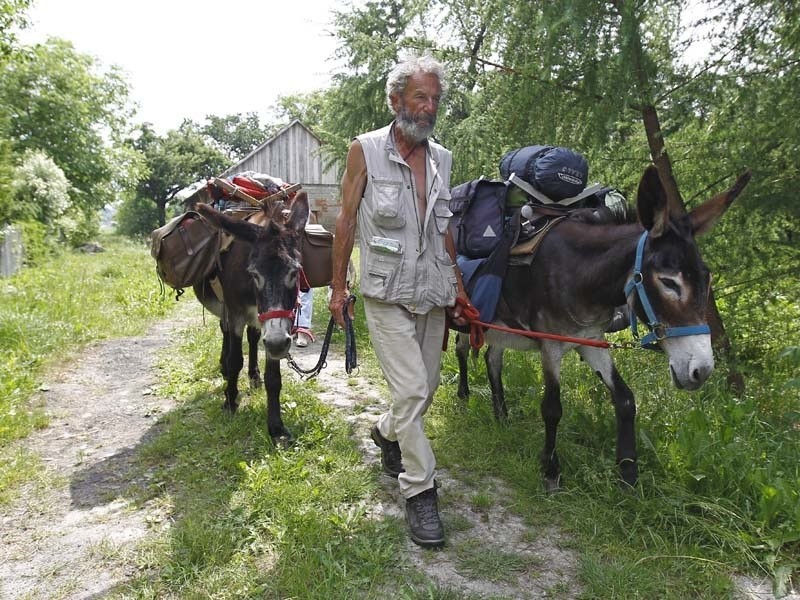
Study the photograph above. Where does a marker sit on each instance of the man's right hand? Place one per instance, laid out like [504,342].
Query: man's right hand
[336,306]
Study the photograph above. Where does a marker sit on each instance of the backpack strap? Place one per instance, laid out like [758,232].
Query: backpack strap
[589,191]
[529,189]
[533,192]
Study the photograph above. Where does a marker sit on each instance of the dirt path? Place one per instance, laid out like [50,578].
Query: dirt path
[71,536]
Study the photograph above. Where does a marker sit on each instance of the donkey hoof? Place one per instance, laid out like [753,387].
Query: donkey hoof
[552,485]
[230,407]
[283,440]
[629,474]
[256,382]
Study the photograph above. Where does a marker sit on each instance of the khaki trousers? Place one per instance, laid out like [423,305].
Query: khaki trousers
[409,349]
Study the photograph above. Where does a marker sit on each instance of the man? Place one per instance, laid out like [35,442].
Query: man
[396,188]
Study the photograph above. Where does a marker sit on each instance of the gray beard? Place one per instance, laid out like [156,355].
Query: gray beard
[411,130]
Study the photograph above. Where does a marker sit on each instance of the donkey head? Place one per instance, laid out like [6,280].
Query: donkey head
[274,268]
[675,280]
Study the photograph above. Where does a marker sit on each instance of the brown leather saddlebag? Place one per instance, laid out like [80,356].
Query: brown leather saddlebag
[317,255]
[185,250]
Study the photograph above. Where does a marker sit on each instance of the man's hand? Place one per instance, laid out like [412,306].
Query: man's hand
[336,306]
[462,312]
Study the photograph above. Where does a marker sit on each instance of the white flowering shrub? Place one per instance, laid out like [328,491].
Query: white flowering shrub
[40,190]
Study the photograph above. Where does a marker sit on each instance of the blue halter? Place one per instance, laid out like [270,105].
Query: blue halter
[658,331]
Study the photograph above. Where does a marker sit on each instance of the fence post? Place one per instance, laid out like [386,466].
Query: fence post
[10,250]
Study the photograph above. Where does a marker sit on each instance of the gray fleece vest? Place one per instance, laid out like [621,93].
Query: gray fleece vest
[403,255]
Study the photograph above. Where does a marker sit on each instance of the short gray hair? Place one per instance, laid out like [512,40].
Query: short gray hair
[398,77]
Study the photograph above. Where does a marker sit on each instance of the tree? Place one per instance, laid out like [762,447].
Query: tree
[58,101]
[372,38]
[12,15]
[175,161]
[236,135]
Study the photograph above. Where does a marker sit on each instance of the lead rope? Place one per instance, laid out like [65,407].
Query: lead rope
[350,360]
[476,332]
[350,356]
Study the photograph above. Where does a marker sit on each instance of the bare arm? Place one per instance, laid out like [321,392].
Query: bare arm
[455,311]
[354,182]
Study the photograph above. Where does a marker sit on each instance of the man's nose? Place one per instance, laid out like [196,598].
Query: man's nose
[431,105]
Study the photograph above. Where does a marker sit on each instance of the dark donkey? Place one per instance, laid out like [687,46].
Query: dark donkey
[581,272]
[258,276]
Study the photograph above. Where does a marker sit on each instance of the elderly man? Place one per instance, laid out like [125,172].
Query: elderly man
[396,189]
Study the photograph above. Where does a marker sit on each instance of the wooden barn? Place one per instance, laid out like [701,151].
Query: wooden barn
[294,155]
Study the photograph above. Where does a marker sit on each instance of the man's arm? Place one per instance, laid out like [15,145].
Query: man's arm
[455,311]
[354,182]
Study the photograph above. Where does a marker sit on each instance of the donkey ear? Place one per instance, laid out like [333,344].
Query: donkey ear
[299,212]
[237,227]
[705,216]
[651,203]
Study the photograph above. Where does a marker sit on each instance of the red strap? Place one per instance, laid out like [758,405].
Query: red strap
[302,281]
[276,314]
[476,330]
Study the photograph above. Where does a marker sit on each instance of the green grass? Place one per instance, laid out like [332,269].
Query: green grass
[49,311]
[719,475]
[718,490]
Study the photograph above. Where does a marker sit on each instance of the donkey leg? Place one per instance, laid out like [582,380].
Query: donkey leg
[224,352]
[551,414]
[231,362]
[494,370]
[462,353]
[624,406]
[253,339]
[281,436]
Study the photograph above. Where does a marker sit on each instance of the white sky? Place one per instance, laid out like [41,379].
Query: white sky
[191,58]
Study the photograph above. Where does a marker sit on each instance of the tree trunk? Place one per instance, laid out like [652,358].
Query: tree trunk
[722,344]
[162,212]
[658,153]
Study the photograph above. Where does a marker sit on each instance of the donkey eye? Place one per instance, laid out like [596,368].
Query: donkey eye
[257,278]
[670,284]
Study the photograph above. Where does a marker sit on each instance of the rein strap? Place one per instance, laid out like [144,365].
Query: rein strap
[350,359]
[476,327]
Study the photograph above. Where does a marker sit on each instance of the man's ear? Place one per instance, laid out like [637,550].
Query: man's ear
[395,101]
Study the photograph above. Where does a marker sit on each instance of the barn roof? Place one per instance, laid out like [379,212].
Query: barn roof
[269,142]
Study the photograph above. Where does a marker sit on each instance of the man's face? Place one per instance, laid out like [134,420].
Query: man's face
[417,106]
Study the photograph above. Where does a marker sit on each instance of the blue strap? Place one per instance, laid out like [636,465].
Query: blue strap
[657,330]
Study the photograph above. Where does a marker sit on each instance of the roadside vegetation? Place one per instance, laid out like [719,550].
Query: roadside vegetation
[49,312]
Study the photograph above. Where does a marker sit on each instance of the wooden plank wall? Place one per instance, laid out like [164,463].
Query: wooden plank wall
[294,156]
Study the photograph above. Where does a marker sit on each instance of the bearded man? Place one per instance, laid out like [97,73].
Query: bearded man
[396,189]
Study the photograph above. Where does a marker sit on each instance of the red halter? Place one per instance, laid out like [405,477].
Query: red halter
[276,314]
[286,314]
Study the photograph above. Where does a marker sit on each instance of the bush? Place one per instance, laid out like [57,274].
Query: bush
[40,190]
[38,244]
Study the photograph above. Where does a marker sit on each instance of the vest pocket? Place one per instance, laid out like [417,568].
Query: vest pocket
[388,208]
[381,272]
[442,214]
[447,282]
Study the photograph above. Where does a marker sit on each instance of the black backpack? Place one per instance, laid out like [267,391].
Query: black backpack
[479,216]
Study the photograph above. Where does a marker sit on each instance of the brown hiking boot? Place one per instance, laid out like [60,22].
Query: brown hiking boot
[422,515]
[391,458]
